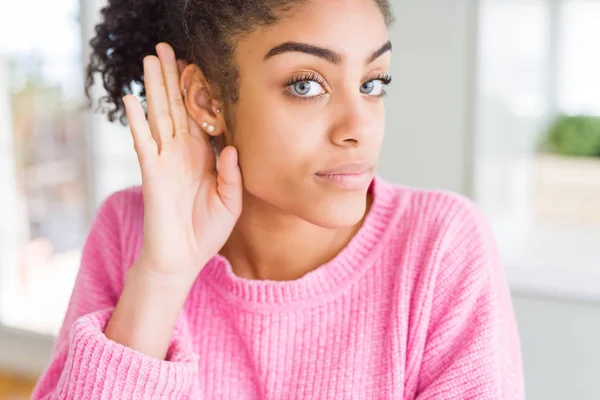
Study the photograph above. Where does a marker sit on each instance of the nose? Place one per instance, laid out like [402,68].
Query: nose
[351,122]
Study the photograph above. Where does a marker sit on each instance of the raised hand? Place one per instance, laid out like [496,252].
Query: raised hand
[190,208]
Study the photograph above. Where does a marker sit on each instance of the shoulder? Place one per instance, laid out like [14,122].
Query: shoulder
[444,248]
[440,227]
[123,203]
[123,206]
[119,220]
[433,211]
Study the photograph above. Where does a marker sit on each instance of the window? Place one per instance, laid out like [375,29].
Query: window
[538,62]
[57,161]
[44,185]
[579,41]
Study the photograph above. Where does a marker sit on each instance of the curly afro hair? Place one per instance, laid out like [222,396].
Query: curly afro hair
[202,32]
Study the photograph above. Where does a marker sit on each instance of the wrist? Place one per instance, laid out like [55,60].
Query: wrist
[161,279]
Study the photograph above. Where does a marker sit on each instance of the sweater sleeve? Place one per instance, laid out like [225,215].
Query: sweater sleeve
[86,364]
[472,350]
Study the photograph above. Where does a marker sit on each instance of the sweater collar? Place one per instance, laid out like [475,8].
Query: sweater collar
[323,282]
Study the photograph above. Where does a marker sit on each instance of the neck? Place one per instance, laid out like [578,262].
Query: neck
[270,244]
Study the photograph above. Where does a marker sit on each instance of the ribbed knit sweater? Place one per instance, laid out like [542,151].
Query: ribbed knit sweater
[416,306]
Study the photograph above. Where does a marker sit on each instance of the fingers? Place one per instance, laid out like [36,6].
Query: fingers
[145,146]
[159,117]
[171,78]
[229,181]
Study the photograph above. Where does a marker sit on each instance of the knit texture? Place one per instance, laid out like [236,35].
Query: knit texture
[415,307]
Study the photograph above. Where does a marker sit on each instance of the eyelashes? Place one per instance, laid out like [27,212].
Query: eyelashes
[385,79]
[306,76]
[289,89]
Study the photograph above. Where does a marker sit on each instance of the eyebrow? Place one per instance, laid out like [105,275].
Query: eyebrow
[321,52]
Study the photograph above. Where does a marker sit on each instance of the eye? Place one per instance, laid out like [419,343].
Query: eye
[375,86]
[306,88]
[372,88]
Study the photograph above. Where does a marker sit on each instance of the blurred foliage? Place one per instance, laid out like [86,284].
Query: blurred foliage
[573,135]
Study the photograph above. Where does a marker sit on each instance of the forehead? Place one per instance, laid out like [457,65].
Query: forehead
[353,28]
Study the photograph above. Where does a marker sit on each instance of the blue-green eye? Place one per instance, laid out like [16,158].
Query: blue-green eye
[367,87]
[372,88]
[307,88]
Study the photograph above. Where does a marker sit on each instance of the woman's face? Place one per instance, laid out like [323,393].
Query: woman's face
[310,117]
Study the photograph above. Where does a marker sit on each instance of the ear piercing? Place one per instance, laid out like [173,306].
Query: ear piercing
[218,110]
[209,127]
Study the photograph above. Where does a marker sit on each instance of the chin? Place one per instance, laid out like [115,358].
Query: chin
[339,212]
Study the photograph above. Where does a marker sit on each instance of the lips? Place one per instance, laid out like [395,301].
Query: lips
[349,176]
[352,168]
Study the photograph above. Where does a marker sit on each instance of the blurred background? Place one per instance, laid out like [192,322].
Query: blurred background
[496,99]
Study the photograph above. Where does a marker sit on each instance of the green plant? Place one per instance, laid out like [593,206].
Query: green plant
[577,135]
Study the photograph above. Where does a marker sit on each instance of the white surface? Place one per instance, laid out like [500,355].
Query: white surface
[24,352]
[553,260]
[561,350]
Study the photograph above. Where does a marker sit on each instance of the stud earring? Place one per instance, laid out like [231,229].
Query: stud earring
[218,110]
[184,92]
[204,124]
[210,128]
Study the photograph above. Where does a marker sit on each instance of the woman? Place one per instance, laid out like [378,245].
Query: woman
[310,278]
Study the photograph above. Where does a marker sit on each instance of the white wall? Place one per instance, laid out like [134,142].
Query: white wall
[428,114]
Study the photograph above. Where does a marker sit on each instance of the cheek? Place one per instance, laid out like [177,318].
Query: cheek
[279,154]
[279,144]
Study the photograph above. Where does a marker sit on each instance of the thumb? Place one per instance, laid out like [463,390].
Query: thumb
[229,180]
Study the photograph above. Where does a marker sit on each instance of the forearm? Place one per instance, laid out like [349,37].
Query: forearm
[147,311]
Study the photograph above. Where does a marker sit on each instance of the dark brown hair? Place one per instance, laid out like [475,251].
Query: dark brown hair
[202,32]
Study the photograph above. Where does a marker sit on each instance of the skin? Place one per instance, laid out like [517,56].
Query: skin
[265,209]
[291,223]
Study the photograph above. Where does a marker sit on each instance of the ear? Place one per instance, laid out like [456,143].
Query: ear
[201,107]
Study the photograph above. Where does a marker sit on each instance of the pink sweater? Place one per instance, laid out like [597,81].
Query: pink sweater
[415,307]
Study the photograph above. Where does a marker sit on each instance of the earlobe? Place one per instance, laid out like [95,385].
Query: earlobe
[210,128]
